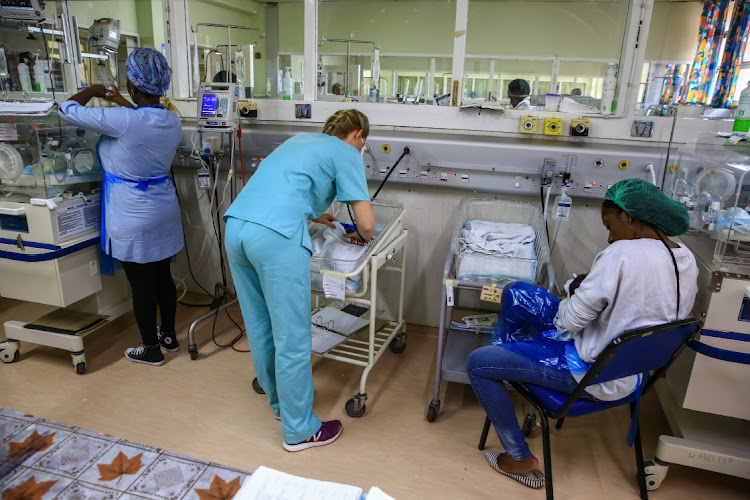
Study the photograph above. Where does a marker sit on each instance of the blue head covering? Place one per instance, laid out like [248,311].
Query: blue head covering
[148,71]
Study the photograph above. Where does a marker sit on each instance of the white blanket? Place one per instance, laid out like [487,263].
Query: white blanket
[333,252]
[497,238]
[497,251]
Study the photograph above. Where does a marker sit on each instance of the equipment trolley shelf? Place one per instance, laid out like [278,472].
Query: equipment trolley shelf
[366,347]
[459,273]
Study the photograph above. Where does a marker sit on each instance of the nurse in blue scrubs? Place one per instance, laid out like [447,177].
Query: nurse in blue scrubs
[269,250]
[141,224]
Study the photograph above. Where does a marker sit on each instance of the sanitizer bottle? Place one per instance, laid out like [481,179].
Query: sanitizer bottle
[40,76]
[268,87]
[288,85]
[608,91]
[742,118]
[24,77]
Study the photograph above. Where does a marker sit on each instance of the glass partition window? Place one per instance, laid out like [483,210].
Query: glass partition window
[414,42]
[568,51]
[31,48]
[251,61]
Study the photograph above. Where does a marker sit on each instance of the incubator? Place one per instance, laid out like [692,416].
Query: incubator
[704,398]
[49,203]
[49,230]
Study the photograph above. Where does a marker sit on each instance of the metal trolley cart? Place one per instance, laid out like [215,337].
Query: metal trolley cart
[705,394]
[361,277]
[472,272]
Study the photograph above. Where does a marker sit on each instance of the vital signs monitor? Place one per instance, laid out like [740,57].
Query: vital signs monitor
[217,107]
[22,10]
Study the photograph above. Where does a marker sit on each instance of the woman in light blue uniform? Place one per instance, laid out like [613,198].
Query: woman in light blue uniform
[269,250]
[141,224]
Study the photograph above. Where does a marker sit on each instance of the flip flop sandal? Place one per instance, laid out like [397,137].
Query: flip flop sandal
[532,479]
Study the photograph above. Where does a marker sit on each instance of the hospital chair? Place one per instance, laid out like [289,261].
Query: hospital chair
[641,351]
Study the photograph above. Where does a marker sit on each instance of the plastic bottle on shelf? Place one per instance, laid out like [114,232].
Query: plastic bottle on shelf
[24,76]
[268,87]
[288,85]
[742,118]
[40,76]
[608,91]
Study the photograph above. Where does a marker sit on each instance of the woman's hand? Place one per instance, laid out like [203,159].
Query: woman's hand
[114,96]
[99,91]
[89,93]
[326,219]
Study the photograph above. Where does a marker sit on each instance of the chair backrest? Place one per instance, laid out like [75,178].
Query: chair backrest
[641,351]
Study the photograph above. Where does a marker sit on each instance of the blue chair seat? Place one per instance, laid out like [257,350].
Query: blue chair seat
[643,351]
[553,401]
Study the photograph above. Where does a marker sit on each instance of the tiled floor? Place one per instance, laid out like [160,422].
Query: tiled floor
[42,458]
[206,408]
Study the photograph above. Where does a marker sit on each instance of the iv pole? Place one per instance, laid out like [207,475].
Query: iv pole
[229,27]
[348,51]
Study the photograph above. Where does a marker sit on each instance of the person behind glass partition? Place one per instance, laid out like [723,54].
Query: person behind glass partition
[518,93]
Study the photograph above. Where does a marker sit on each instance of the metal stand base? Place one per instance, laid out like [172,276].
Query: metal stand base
[216,308]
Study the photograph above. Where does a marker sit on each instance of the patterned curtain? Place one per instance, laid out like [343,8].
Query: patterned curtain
[734,51]
[710,31]
[673,80]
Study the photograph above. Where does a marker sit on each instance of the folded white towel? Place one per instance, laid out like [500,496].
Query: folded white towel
[497,238]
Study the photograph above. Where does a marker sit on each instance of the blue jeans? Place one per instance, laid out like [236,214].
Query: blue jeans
[487,367]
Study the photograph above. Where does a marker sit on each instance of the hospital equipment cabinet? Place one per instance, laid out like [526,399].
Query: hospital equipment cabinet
[483,272]
[707,399]
[386,253]
[49,229]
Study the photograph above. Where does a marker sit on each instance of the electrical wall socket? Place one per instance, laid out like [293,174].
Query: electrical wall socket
[642,128]
[553,126]
[579,128]
[528,125]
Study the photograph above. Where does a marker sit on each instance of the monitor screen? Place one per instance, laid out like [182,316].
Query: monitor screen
[208,106]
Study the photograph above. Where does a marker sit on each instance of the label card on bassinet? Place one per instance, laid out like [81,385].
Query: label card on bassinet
[491,293]
[334,286]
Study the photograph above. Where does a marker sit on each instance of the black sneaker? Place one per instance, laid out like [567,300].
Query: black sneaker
[150,355]
[168,341]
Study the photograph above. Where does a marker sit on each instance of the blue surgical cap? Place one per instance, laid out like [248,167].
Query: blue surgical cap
[148,71]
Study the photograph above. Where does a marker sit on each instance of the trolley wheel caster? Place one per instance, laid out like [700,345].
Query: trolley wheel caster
[79,362]
[432,411]
[256,386]
[528,424]
[398,344]
[355,407]
[9,352]
[193,352]
[655,471]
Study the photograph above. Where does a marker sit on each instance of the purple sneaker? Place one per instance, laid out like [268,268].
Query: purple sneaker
[327,434]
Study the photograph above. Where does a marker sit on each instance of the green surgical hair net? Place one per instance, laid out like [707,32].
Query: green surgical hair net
[646,202]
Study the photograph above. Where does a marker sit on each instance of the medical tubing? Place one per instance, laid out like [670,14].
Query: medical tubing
[52,85]
[407,150]
[187,253]
[239,144]
[217,228]
[207,237]
[676,271]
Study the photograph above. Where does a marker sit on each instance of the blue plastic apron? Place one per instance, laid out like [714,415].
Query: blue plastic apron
[107,262]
